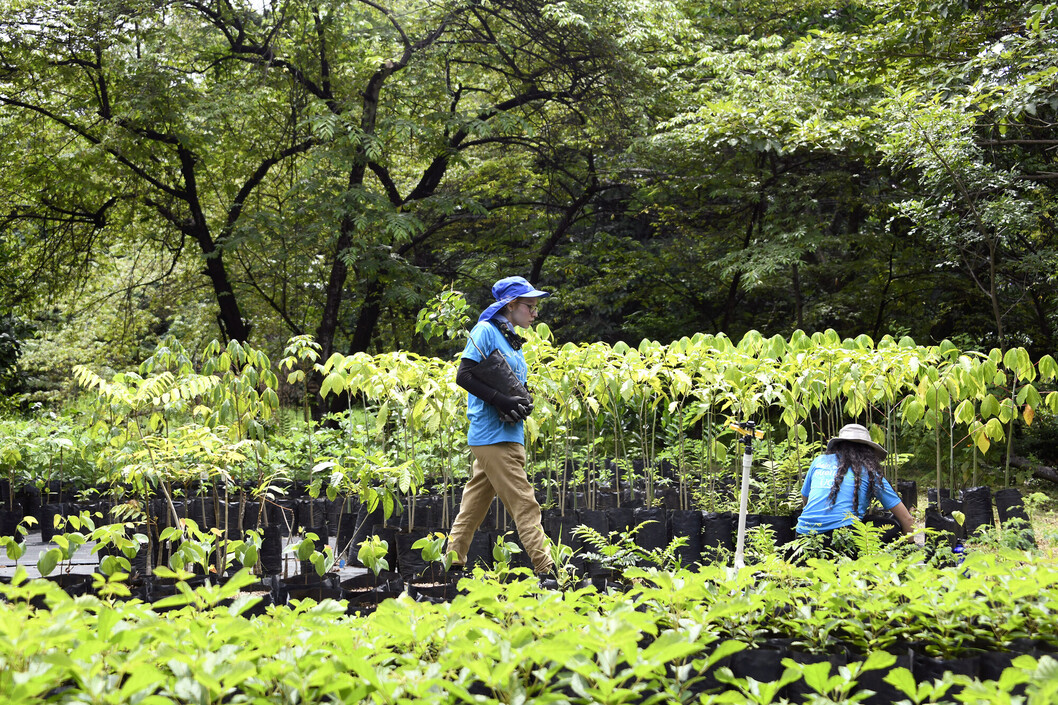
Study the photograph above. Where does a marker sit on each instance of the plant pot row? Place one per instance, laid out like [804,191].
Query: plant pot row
[363,592]
[293,507]
[707,533]
[763,662]
[709,536]
[976,504]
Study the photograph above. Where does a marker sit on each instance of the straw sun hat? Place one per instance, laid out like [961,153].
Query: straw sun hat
[856,433]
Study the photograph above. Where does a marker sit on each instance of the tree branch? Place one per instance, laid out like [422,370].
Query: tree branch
[77,129]
[255,179]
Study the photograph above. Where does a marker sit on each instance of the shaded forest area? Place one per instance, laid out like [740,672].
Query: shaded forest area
[233,170]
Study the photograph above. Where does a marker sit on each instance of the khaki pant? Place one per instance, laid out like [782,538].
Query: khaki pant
[499,469]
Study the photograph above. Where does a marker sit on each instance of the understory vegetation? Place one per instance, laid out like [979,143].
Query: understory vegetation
[829,632]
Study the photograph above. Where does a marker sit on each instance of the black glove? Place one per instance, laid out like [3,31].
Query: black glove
[513,408]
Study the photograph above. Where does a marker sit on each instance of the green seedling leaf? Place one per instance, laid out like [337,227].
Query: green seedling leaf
[878,660]
[114,564]
[48,560]
[15,549]
[170,574]
[902,680]
[816,675]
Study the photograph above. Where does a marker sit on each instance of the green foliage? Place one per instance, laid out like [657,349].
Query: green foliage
[432,549]
[213,420]
[503,552]
[664,167]
[659,638]
[322,560]
[372,554]
[619,550]
[208,551]
[15,546]
[12,332]
[443,316]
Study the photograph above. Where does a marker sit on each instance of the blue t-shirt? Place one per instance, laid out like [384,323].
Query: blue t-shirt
[818,514]
[485,425]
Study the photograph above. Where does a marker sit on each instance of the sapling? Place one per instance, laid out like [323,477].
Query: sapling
[619,550]
[432,549]
[867,538]
[369,477]
[11,458]
[754,691]
[840,687]
[67,542]
[305,550]
[245,552]
[373,553]
[918,693]
[322,561]
[119,547]
[1034,504]
[301,349]
[503,553]
[760,542]
[16,548]
[562,559]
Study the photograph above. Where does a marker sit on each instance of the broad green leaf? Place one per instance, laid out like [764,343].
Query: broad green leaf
[989,406]
[1048,368]
[48,560]
[913,411]
[964,412]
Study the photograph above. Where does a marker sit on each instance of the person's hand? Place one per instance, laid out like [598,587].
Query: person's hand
[512,407]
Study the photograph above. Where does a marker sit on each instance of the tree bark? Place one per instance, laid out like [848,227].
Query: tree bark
[732,292]
[368,317]
[230,318]
[1041,472]
[233,327]
[569,217]
[883,298]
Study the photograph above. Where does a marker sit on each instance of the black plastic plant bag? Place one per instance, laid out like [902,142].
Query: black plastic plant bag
[497,374]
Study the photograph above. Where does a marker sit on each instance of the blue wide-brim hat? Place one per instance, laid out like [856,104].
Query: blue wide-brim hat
[507,290]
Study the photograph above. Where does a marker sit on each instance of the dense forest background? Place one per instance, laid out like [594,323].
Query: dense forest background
[238,170]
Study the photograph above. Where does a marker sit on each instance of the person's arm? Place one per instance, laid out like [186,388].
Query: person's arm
[806,486]
[891,502]
[513,407]
[904,517]
[472,384]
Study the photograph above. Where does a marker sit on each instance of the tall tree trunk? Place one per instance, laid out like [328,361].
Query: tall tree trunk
[335,289]
[230,317]
[367,320]
[332,305]
[883,297]
[732,291]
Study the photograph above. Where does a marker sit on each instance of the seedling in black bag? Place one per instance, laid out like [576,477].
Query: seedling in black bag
[373,553]
[432,548]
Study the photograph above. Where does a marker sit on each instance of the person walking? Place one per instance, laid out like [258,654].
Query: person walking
[497,432]
[840,484]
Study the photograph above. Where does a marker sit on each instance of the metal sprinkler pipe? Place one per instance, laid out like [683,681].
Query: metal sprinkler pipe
[748,431]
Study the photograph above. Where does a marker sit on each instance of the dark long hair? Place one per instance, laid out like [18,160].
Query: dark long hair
[856,457]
